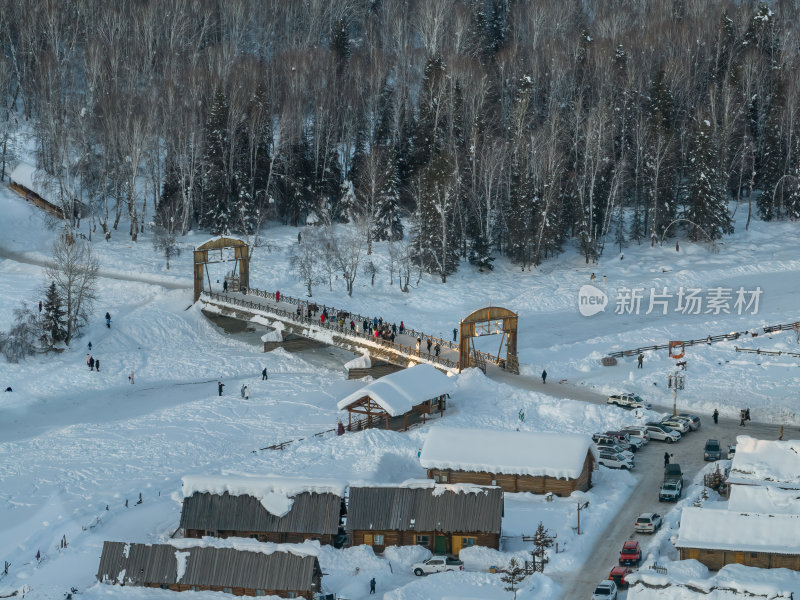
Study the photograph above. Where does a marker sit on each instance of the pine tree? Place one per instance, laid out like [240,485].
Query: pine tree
[169,211]
[520,217]
[513,576]
[542,540]
[340,43]
[295,186]
[431,132]
[388,226]
[706,204]
[216,186]
[53,319]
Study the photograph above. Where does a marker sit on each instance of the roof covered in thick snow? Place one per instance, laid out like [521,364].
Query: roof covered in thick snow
[274,493]
[764,499]
[399,392]
[32,178]
[761,462]
[743,531]
[560,455]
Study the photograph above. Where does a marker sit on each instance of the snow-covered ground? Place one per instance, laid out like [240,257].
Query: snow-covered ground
[76,446]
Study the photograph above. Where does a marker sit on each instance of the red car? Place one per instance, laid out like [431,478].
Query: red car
[631,553]
[618,575]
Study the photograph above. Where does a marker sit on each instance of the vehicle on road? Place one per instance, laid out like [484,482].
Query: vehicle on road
[618,448]
[663,433]
[638,432]
[437,564]
[631,553]
[619,576]
[712,450]
[628,401]
[612,460]
[648,523]
[677,424]
[731,451]
[605,590]
[695,420]
[672,488]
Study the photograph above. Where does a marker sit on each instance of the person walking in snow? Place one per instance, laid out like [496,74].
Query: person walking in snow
[640,358]
[264,374]
[544,376]
[88,356]
[90,346]
[746,414]
[225,286]
[241,391]
[429,345]
[277,296]
[741,418]
[131,376]
[352,325]
[455,334]
[715,416]
[394,328]
[108,320]
[666,458]
[436,349]
[220,385]
[402,327]
[246,393]
[372,586]
[419,341]
[340,428]
[91,363]
[97,365]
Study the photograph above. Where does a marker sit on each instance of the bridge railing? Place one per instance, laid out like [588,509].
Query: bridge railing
[331,325]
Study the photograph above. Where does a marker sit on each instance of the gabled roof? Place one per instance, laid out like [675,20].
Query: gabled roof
[766,462]
[398,392]
[731,530]
[310,513]
[35,180]
[451,508]
[140,564]
[764,499]
[560,455]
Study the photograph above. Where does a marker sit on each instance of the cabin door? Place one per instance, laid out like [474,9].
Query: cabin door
[440,545]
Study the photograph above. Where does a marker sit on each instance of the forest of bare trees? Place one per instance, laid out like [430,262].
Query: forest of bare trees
[486,127]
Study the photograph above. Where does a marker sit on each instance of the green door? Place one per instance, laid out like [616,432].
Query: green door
[440,545]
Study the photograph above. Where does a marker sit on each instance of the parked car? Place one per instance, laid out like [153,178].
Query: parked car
[437,564]
[631,553]
[623,438]
[693,418]
[712,451]
[627,401]
[605,590]
[638,432]
[677,424]
[648,523]
[660,432]
[618,575]
[670,491]
[613,460]
[731,450]
[617,448]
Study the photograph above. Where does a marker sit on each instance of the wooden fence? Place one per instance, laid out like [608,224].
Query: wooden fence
[707,340]
[767,352]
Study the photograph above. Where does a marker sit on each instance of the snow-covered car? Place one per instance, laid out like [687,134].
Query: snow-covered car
[662,433]
[623,437]
[694,419]
[677,424]
[605,590]
[638,432]
[437,564]
[627,401]
[614,460]
[648,523]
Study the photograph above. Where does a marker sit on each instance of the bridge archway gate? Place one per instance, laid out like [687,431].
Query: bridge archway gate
[492,320]
[211,252]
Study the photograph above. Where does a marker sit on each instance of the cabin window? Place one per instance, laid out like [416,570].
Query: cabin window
[377,539]
[754,555]
[227,590]
[422,540]
[291,594]
[466,542]
[261,592]
[164,586]
[440,478]
[195,588]
[253,536]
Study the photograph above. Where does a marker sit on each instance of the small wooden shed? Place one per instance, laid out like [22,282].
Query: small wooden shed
[722,537]
[444,519]
[30,183]
[517,461]
[398,400]
[259,570]
[280,510]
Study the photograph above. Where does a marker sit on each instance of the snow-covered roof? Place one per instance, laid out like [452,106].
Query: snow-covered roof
[761,462]
[398,392]
[733,530]
[765,499]
[32,178]
[308,548]
[275,493]
[560,455]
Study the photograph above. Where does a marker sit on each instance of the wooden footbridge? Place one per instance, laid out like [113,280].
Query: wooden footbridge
[301,317]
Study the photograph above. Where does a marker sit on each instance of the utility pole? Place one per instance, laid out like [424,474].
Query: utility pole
[675,394]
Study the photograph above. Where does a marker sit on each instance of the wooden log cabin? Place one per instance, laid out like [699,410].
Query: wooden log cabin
[765,462]
[280,510]
[233,570]
[444,519]
[398,400]
[516,461]
[722,537]
[32,185]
